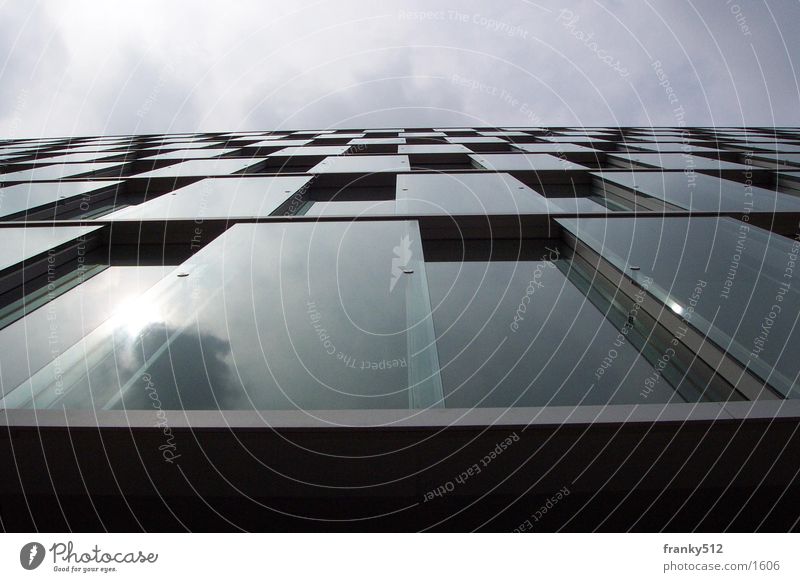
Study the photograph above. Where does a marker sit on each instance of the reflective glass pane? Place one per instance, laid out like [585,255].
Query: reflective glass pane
[678,161]
[352,208]
[503,133]
[361,164]
[22,197]
[780,147]
[665,147]
[575,205]
[73,158]
[567,139]
[20,244]
[279,143]
[781,158]
[702,192]
[88,148]
[55,171]
[38,339]
[310,151]
[187,145]
[522,162]
[730,280]
[433,148]
[312,316]
[378,141]
[340,136]
[555,148]
[421,134]
[473,193]
[475,140]
[218,167]
[522,333]
[12,152]
[185,154]
[218,198]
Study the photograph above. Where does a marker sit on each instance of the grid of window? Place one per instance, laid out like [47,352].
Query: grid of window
[405,268]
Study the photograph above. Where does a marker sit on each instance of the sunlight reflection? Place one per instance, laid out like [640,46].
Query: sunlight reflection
[134,315]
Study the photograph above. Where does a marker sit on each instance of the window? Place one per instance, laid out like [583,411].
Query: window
[466,194]
[533,331]
[58,171]
[219,167]
[219,198]
[523,162]
[307,316]
[697,191]
[42,200]
[361,164]
[728,279]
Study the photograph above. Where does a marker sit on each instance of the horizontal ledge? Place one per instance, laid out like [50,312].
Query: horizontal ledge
[549,416]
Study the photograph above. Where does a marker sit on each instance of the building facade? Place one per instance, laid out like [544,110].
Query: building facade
[512,329]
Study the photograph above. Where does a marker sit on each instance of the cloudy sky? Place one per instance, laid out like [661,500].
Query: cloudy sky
[91,67]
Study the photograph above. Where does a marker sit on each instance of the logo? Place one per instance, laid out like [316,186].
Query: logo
[31,555]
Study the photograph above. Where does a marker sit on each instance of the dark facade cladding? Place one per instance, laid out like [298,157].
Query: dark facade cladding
[506,328]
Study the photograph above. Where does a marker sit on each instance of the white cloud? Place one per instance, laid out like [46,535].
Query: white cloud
[90,67]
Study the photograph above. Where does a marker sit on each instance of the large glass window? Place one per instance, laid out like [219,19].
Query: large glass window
[671,147]
[310,151]
[434,148]
[309,316]
[349,208]
[72,158]
[523,162]
[580,204]
[478,139]
[22,199]
[364,141]
[58,171]
[186,145]
[556,148]
[677,162]
[218,167]
[728,279]
[524,332]
[48,330]
[20,244]
[361,164]
[187,154]
[468,193]
[700,192]
[219,198]
[277,142]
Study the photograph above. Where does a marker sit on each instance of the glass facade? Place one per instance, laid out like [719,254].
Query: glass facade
[400,269]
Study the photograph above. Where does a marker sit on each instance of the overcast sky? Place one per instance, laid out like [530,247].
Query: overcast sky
[91,67]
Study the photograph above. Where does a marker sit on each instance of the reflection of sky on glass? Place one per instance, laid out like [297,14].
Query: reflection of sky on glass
[467,194]
[731,309]
[21,197]
[703,192]
[25,345]
[19,244]
[552,355]
[244,315]
[218,198]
